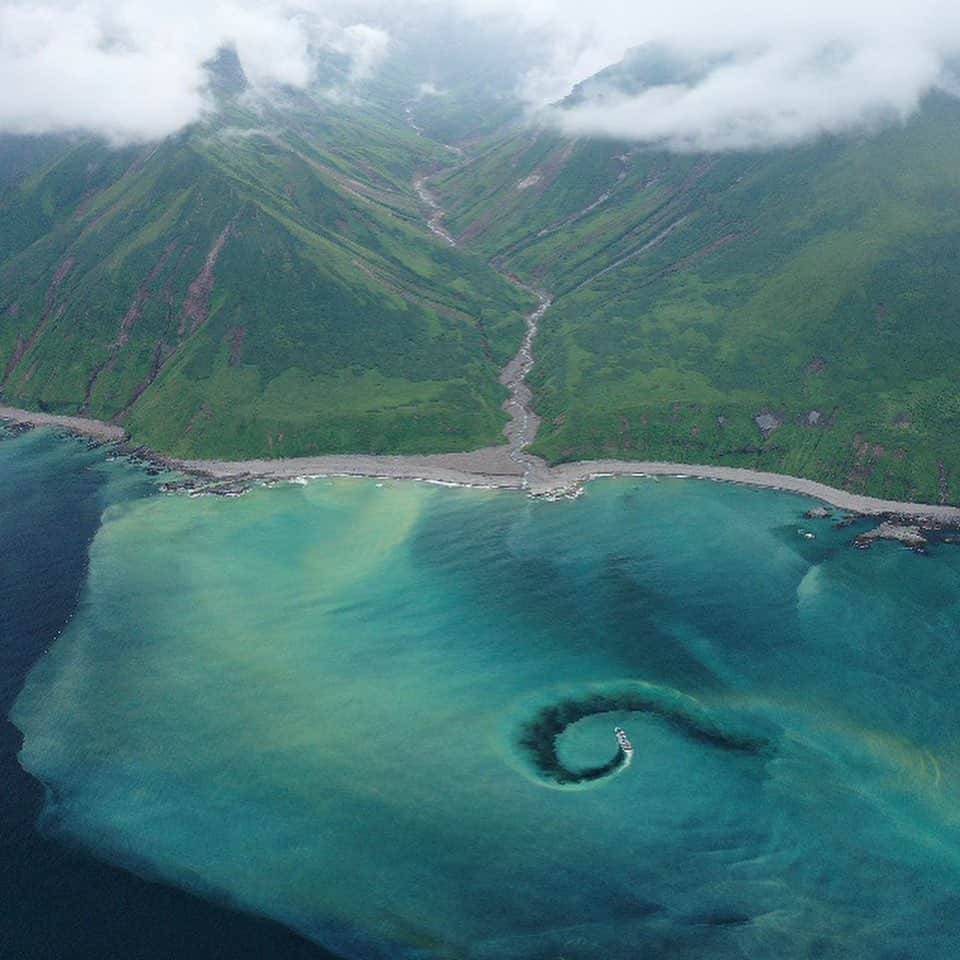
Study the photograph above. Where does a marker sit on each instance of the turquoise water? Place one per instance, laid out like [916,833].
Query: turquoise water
[325,704]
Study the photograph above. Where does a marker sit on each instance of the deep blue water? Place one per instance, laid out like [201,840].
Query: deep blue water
[56,901]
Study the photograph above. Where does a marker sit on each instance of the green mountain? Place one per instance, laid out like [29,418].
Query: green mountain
[263,284]
[266,283]
[794,310]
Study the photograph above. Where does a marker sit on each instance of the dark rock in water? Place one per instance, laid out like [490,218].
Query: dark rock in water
[15,429]
[847,520]
[198,487]
[720,919]
[235,489]
[908,535]
[818,513]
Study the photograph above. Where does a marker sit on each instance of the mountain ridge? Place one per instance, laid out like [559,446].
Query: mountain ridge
[162,241]
[270,284]
[787,310]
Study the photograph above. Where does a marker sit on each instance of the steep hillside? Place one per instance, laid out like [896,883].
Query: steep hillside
[794,310]
[262,285]
[267,283]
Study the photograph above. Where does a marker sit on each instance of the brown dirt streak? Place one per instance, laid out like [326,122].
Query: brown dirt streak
[130,318]
[196,305]
[24,347]
[236,345]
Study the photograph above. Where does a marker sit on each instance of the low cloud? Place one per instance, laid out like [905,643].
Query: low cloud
[428,89]
[778,73]
[762,73]
[135,70]
[778,96]
[365,46]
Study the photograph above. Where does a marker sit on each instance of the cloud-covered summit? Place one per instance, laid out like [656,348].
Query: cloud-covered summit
[136,70]
[776,73]
[757,96]
[758,73]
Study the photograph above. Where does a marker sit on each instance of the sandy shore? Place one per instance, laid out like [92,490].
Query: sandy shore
[489,467]
[571,474]
[493,467]
[105,432]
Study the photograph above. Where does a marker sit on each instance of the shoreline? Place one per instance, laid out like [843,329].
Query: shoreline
[584,471]
[490,467]
[84,426]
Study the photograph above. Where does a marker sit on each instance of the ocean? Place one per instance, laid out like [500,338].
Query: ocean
[58,901]
[376,718]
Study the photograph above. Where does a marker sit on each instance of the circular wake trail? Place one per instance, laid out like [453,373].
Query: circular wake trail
[536,736]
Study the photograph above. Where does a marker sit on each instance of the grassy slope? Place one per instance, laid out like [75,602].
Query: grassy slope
[234,295]
[820,279]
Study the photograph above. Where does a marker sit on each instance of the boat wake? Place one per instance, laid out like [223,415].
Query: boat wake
[535,736]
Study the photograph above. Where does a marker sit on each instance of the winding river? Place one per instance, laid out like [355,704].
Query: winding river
[522,428]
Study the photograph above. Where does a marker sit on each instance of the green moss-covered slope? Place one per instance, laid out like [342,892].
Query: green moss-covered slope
[252,289]
[813,293]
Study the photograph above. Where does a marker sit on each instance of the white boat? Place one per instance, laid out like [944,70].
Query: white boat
[624,743]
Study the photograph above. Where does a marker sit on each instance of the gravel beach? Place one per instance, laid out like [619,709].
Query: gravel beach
[493,467]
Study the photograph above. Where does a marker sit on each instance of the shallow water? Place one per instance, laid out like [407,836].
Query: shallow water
[56,901]
[316,702]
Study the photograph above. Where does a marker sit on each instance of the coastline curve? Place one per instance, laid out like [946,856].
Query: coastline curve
[490,467]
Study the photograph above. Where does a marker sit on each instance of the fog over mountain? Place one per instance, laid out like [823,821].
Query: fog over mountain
[135,71]
[777,73]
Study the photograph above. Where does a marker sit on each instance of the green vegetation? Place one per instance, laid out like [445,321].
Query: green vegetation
[264,285]
[817,286]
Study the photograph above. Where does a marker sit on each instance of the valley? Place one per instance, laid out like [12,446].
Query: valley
[320,282]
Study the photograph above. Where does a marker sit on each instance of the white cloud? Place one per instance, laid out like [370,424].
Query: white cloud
[782,73]
[776,96]
[133,70]
[366,46]
[63,67]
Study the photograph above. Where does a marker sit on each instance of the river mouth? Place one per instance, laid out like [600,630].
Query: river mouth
[521,430]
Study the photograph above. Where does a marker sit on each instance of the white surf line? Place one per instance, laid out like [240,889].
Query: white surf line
[560,479]
[565,479]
